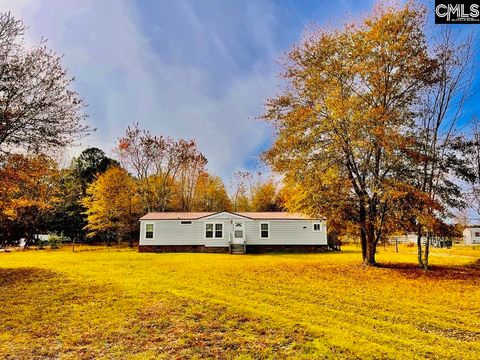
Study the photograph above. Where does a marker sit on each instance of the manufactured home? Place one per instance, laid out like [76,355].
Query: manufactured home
[471,236]
[234,232]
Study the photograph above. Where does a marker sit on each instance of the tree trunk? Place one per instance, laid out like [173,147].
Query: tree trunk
[371,250]
[427,253]
[371,245]
[28,239]
[419,246]
[363,232]
[363,244]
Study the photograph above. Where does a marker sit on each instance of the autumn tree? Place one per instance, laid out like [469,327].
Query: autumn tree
[193,165]
[210,194]
[343,121]
[69,216]
[308,196]
[113,206]
[157,162]
[471,154]
[241,185]
[265,196]
[38,108]
[89,164]
[28,191]
[439,141]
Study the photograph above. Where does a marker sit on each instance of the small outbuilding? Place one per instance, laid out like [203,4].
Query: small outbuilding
[471,236]
[234,232]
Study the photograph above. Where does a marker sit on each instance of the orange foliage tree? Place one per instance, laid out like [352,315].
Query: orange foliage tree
[162,166]
[343,122]
[28,191]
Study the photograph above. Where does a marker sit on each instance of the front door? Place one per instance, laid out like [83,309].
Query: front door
[238,232]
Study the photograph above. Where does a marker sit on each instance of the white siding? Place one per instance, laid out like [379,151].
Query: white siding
[172,232]
[281,232]
[287,232]
[469,236]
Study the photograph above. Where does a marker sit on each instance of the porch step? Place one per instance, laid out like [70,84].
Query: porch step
[237,249]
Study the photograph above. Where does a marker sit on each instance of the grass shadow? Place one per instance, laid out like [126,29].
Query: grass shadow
[12,277]
[437,272]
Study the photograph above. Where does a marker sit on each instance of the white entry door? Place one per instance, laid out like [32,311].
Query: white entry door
[238,232]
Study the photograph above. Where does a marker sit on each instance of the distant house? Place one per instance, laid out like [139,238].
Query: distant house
[410,238]
[37,238]
[471,236]
[237,232]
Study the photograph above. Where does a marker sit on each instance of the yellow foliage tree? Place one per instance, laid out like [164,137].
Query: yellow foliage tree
[265,197]
[113,206]
[210,194]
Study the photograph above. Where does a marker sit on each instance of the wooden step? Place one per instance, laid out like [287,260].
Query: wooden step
[237,249]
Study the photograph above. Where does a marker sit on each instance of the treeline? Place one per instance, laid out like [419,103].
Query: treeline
[94,198]
[371,132]
[100,199]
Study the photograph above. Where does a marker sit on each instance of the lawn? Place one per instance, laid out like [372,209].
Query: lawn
[124,304]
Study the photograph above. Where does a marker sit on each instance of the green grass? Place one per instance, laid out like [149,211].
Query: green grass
[124,304]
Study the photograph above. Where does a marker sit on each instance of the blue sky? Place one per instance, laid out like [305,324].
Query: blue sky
[185,68]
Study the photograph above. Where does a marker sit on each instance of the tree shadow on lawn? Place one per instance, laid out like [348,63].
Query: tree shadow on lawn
[39,310]
[436,272]
[11,277]
[188,328]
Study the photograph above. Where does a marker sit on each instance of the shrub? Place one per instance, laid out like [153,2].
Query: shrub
[56,241]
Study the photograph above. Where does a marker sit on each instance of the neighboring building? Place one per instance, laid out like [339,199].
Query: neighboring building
[41,237]
[410,238]
[231,232]
[37,238]
[471,236]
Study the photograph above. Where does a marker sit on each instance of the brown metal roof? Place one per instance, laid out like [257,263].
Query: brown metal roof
[274,216]
[250,215]
[175,215]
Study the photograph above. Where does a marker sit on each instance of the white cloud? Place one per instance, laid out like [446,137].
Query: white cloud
[124,76]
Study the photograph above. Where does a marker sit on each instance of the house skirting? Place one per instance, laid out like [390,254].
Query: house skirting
[251,249]
[181,248]
[255,249]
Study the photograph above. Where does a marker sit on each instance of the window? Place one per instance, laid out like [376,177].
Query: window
[213,230]
[218,230]
[185,222]
[148,231]
[264,230]
[209,231]
[317,227]
[477,234]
